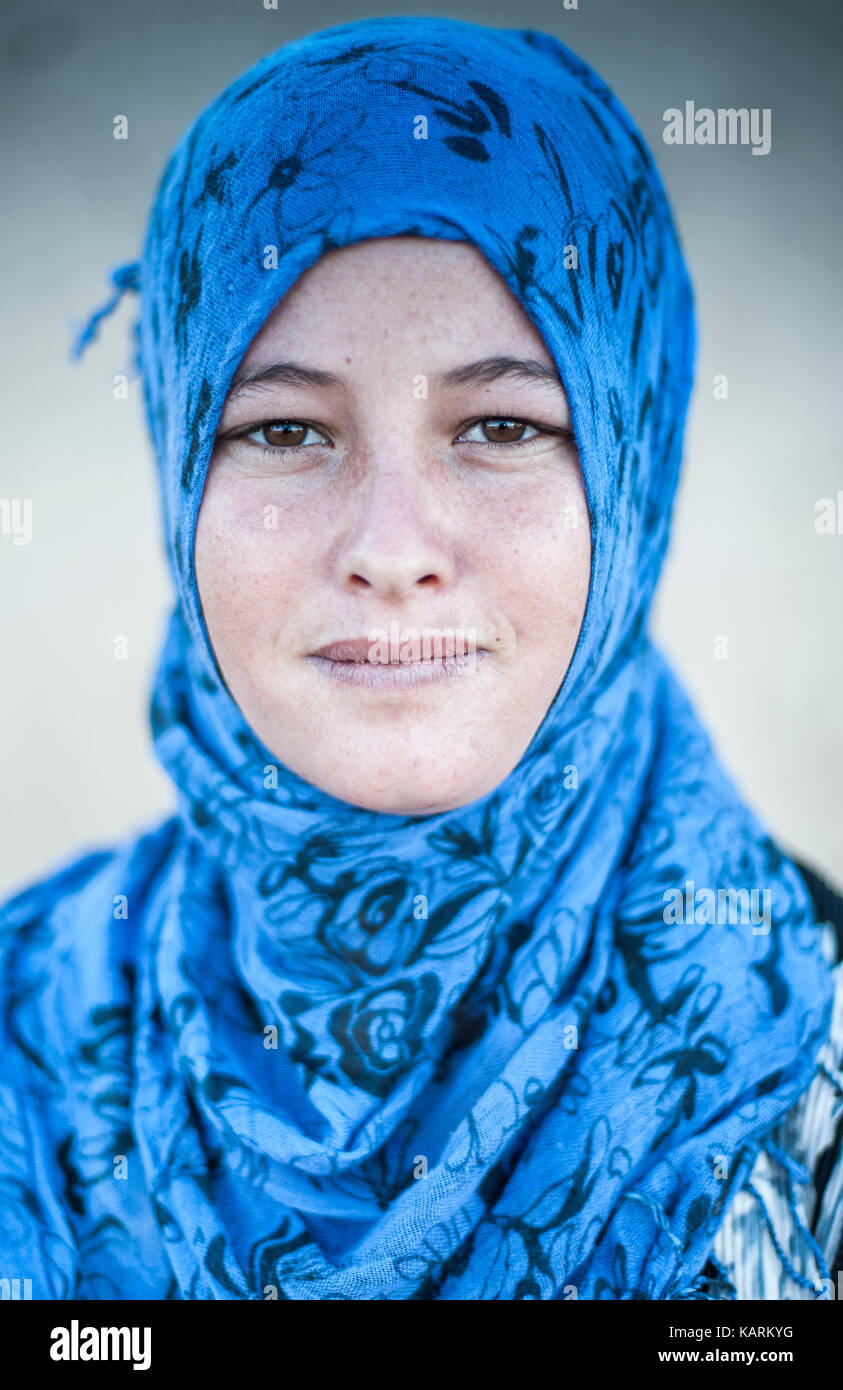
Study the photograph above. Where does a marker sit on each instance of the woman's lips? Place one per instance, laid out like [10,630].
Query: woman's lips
[350,649]
[348,663]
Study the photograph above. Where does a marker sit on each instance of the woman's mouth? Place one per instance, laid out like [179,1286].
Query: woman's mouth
[358,662]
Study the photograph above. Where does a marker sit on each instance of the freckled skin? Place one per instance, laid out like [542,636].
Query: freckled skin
[386,513]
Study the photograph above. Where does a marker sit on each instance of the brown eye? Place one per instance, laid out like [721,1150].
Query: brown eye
[281,433]
[503,431]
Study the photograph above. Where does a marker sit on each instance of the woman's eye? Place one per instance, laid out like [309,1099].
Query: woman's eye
[499,429]
[284,434]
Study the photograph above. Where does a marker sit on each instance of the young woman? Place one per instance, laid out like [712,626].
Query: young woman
[462,972]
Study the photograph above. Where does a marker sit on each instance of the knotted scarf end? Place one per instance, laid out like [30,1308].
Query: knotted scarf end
[124,277]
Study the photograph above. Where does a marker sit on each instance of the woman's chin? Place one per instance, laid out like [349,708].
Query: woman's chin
[398,790]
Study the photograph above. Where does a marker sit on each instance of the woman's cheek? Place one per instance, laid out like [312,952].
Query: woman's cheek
[542,557]
[239,568]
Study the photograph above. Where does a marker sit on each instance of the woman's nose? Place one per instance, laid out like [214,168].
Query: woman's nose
[394,541]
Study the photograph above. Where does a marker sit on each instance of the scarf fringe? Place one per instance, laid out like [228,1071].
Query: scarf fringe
[794,1172]
[124,277]
[713,1283]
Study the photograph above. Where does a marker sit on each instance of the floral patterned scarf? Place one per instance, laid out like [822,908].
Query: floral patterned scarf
[283,1047]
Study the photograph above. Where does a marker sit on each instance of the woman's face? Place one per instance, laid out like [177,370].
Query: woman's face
[395,464]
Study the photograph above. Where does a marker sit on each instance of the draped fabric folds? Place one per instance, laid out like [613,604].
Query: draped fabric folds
[283,1047]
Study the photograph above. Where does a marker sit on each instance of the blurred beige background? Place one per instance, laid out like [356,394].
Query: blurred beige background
[763,242]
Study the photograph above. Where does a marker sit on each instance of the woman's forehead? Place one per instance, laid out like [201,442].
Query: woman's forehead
[429,293]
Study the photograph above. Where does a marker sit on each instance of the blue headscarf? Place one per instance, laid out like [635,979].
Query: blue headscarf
[239,1062]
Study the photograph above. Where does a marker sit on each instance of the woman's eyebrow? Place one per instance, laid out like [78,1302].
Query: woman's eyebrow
[488,369]
[479,373]
[283,374]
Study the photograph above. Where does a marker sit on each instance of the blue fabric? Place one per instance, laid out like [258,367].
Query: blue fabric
[542,1089]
